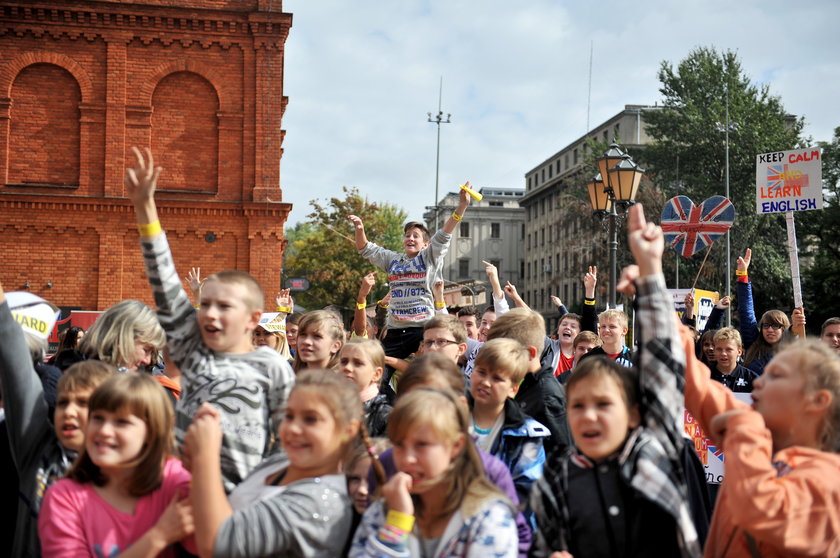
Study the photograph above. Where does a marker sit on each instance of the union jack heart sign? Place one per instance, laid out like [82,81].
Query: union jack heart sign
[690,228]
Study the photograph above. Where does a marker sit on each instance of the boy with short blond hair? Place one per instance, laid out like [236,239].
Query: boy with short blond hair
[502,429]
[212,346]
[612,327]
[540,395]
[726,370]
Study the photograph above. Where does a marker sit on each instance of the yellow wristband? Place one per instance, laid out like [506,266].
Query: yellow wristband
[150,229]
[440,305]
[400,520]
[740,273]
[589,302]
[285,309]
[456,216]
[361,305]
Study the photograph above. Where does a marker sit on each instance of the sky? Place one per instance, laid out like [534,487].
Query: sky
[362,75]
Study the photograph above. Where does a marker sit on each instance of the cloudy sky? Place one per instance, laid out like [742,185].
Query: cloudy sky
[362,75]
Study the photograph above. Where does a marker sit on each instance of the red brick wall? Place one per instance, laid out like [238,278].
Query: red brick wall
[200,82]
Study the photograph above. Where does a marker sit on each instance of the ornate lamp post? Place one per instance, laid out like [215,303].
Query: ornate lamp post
[618,191]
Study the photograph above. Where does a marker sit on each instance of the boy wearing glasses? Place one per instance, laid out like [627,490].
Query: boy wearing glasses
[444,334]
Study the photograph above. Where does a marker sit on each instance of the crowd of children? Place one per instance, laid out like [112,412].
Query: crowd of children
[210,427]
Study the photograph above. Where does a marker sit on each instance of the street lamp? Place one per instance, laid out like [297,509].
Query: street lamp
[617,190]
[438,119]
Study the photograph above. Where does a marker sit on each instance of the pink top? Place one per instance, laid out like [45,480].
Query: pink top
[76,521]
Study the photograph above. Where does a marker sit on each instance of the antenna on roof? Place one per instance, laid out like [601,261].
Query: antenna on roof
[589,92]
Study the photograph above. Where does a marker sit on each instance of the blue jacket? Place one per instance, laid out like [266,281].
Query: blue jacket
[520,447]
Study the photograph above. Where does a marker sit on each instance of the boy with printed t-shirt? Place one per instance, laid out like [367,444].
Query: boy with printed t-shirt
[411,276]
[726,368]
[612,327]
[212,346]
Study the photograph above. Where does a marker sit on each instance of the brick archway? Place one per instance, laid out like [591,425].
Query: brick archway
[187,65]
[9,72]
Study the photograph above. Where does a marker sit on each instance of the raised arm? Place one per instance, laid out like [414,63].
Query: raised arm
[458,214]
[746,313]
[359,230]
[510,290]
[195,282]
[588,315]
[493,278]
[360,314]
[440,301]
[140,185]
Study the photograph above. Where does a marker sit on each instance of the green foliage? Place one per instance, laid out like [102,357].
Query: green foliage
[819,240]
[322,249]
[688,157]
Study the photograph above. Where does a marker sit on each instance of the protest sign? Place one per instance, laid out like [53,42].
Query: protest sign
[788,181]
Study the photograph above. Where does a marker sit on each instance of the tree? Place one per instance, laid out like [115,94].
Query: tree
[688,157]
[322,249]
[819,240]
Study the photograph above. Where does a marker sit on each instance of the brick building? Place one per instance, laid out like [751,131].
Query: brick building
[198,81]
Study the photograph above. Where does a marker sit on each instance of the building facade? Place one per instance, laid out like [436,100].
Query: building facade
[559,231]
[200,82]
[492,231]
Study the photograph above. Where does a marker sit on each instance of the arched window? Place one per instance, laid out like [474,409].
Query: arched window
[185,132]
[44,127]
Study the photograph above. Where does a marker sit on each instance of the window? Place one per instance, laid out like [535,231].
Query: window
[575,291]
[566,293]
[529,237]
[550,171]
[498,264]
[542,237]
[543,175]
[463,268]
[465,229]
[575,157]
[542,206]
[495,230]
[496,204]
[521,270]
[523,230]
[529,182]
[616,130]
[606,136]
[529,271]
[558,166]
[542,265]
[567,161]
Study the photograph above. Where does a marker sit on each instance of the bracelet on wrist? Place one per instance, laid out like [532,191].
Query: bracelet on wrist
[740,273]
[440,305]
[456,216]
[149,229]
[361,305]
[284,309]
[400,520]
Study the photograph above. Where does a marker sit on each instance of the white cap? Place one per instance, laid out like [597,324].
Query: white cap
[269,322]
[34,314]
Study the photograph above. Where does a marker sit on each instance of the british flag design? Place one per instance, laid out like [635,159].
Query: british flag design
[690,228]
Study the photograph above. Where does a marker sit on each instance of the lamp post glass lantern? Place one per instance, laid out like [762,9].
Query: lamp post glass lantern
[616,184]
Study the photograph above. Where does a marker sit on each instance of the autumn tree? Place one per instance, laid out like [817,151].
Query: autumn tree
[322,249]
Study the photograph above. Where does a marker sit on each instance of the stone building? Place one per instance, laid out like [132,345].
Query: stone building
[492,230]
[200,82]
[558,234]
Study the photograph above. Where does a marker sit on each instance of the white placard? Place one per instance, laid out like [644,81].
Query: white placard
[788,181]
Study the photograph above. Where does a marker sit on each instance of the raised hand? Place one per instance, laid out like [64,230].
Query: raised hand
[723,303]
[367,284]
[590,280]
[556,301]
[357,222]
[510,290]
[194,280]
[284,299]
[646,241]
[689,304]
[141,180]
[626,283]
[744,261]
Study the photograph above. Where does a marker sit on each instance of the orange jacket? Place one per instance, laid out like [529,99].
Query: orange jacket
[797,514]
